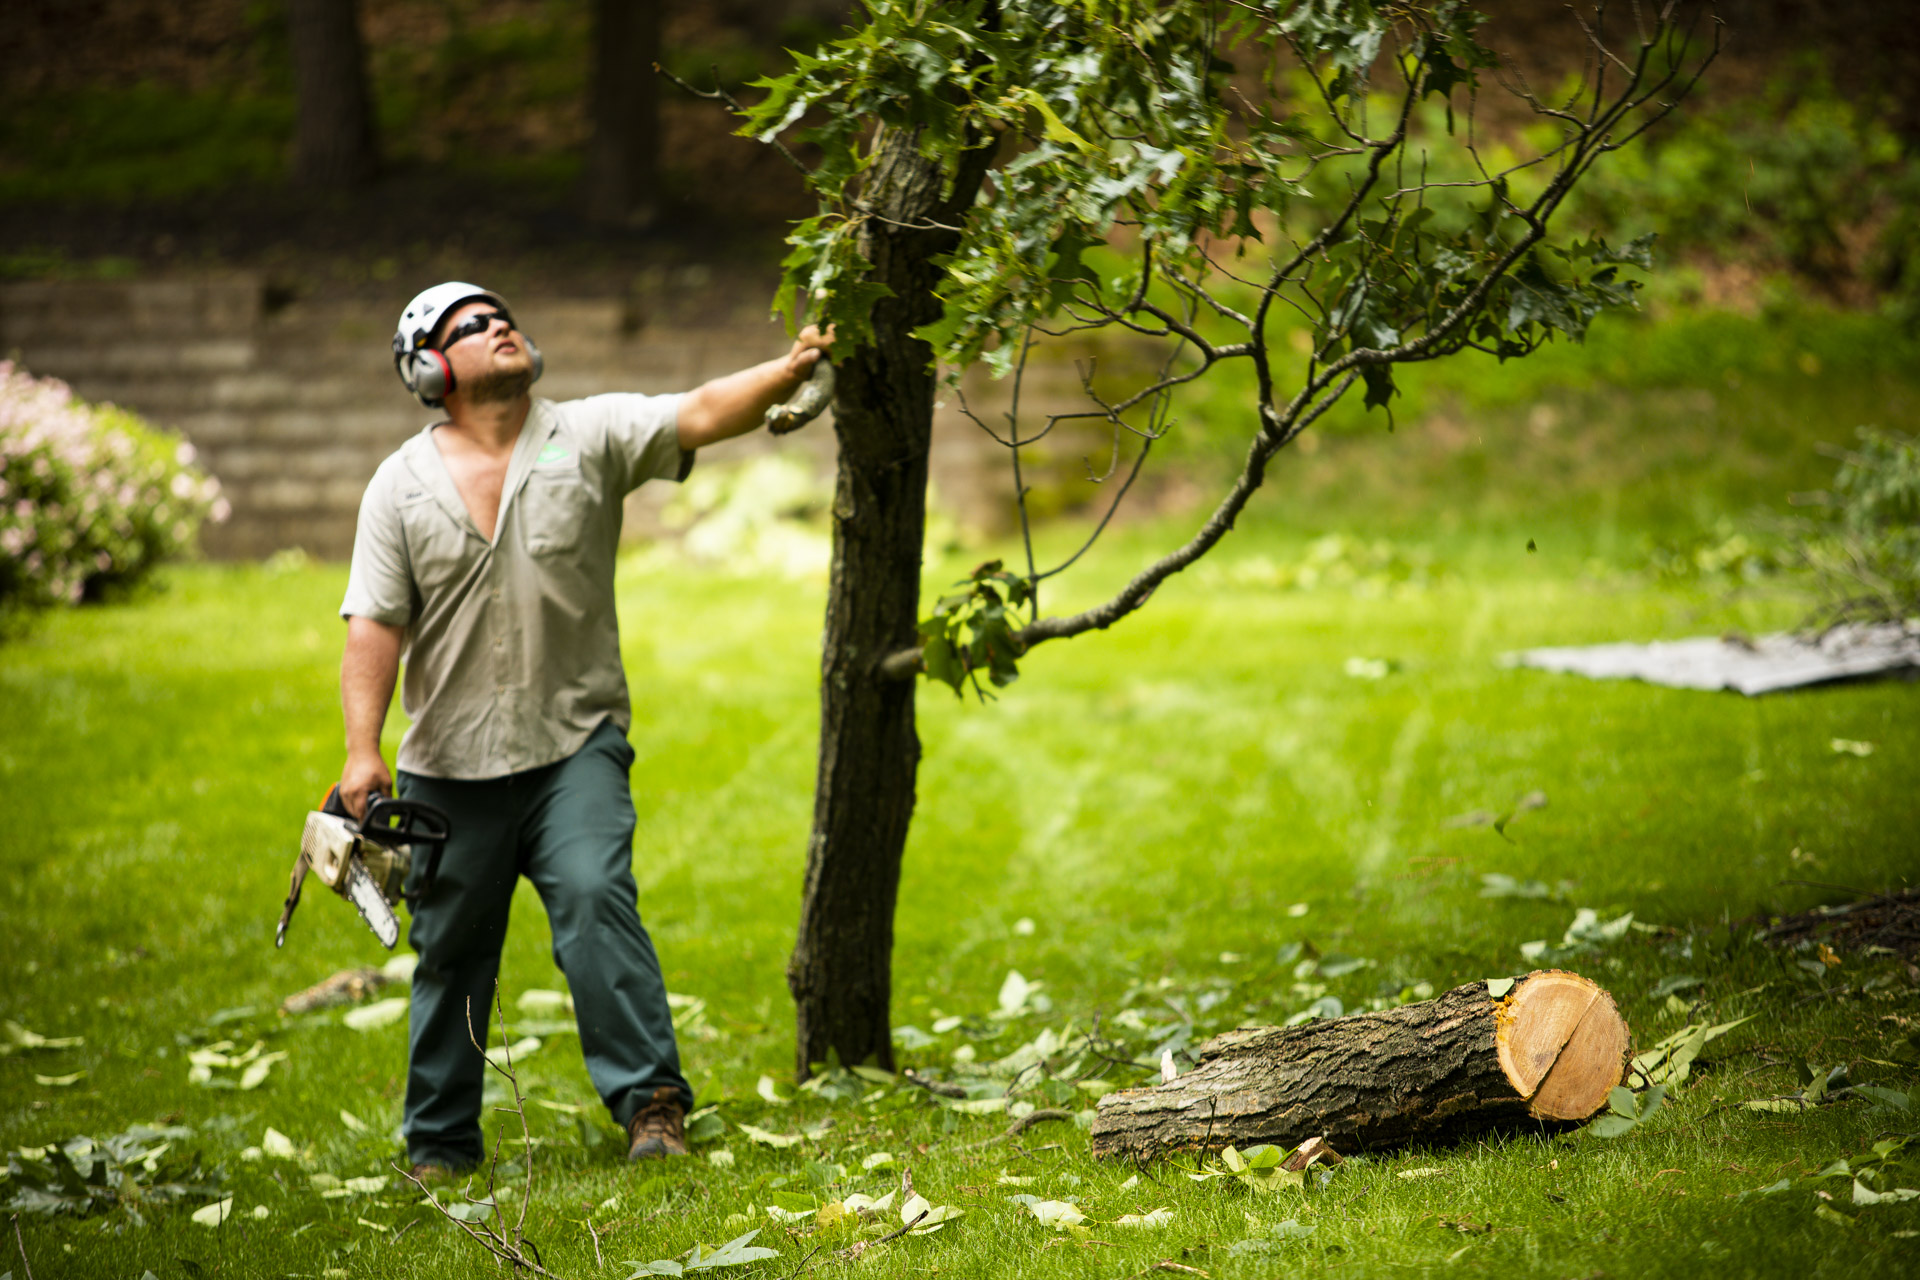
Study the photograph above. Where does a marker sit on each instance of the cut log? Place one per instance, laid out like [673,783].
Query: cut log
[1544,1053]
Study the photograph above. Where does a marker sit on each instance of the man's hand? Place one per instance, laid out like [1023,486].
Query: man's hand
[364,773]
[807,351]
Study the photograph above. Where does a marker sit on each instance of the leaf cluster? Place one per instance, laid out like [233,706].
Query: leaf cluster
[972,630]
[135,1170]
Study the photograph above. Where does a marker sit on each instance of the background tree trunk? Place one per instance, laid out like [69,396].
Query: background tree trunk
[333,144]
[623,158]
[1547,1052]
[841,970]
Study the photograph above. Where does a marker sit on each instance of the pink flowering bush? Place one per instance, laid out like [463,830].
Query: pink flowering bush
[91,497]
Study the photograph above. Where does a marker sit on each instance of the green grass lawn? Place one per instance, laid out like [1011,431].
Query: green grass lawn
[1147,821]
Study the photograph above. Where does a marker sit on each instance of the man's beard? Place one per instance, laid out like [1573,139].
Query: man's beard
[497,385]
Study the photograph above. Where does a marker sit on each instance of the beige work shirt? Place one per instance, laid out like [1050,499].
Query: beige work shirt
[512,647]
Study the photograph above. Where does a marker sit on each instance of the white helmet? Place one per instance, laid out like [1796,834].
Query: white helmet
[419,362]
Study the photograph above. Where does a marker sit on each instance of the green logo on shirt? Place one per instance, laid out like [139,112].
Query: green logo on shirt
[552,453]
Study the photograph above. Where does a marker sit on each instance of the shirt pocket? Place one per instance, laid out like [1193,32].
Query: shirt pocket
[437,548]
[559,505]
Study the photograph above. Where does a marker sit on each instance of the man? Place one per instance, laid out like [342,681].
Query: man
[485,557]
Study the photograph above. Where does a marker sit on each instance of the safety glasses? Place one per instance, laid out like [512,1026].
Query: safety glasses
[473,324]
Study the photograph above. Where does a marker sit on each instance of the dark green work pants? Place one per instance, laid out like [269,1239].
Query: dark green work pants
[568,827]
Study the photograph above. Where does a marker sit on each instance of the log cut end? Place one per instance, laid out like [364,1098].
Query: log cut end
[1561,1043]
[1546,1049]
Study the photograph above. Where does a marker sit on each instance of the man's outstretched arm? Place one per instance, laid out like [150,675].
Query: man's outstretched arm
[735,404]
[368,670]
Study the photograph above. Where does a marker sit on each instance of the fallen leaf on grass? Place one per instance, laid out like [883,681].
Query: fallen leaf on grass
[768,1091]
[214,1214]
[1628,1111]
[1145,1221]
[734,1253]
[935,1216]
[1056,1213]
[521,1048]
[1851,747]
[15,1038]
[1428,1172]
[256,1073]
[1834,1216]
[358,1125]
[1887,1097]
[276,1144]
[541,1001]
[1785,1184]
[381,1013]
[1863,1194]
[859,1202]
[59,1082]
[767,1138]
[1260,1168]
[1018,996]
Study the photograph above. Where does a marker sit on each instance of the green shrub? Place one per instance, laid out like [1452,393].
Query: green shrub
[91,497]
[1864,549]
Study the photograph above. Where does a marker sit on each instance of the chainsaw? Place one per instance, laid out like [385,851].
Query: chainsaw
[368,862]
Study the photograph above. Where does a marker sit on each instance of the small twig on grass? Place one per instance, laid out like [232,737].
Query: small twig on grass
[803,1264]
[518,1252]
[938,1088]
[1168,1264]
[1020,1126]
[22,1246]
[599,1262]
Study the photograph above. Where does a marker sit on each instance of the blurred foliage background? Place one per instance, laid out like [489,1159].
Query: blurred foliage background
[138,135]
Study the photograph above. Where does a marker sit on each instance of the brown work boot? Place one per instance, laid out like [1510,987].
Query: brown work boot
[427,1172]
[655,1130]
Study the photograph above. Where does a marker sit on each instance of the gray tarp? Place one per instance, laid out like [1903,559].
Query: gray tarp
[1750,666]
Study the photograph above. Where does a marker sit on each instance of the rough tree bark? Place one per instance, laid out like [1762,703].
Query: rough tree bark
[623,157]
[333,143]
[840,973]
[1548,1052]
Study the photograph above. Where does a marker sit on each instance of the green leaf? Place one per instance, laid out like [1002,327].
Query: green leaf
[736,1252]
[1499,987]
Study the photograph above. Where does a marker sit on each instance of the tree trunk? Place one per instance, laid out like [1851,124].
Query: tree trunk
[1547,1052]
[333,144]
[840,973]
[622,173]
